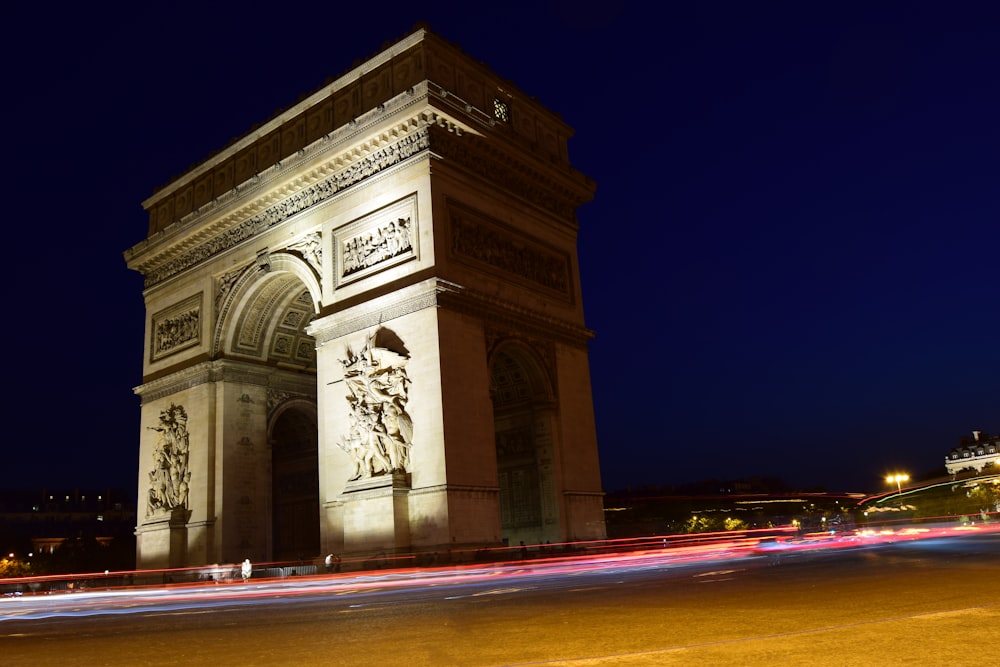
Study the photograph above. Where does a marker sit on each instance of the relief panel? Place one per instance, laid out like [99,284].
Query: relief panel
[176,328]
[376,242]
[489,244]
[245,164]
[184,202]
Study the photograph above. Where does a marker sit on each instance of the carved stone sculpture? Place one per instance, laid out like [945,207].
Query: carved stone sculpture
[386,242]
[311,249]
[168,481]
[381,431]
[175,331]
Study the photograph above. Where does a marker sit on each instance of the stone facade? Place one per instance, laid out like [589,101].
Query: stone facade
[364,327]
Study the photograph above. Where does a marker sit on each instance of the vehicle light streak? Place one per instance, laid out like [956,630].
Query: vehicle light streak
[210,597]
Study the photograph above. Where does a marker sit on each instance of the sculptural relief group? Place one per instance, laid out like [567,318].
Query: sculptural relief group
[381,430]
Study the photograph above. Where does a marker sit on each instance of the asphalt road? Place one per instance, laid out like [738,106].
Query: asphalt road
[934,602]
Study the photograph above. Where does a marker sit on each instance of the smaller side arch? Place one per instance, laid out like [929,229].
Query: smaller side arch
[525,440]
[516,367]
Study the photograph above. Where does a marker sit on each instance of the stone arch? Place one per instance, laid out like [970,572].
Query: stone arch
[262,314]
[523,409]
[262,311]
[294,444]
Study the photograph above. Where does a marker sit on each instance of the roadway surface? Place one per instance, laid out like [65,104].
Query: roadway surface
[902,602]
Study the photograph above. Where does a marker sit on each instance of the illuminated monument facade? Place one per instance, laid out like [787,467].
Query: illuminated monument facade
[364,329]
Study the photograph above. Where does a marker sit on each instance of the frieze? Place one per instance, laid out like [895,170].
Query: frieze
[176,328]
[497,168]
[365,167]
[473,237]
[514,317]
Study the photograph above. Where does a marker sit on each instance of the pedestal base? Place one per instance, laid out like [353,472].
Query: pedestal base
[376,514]
[162,540]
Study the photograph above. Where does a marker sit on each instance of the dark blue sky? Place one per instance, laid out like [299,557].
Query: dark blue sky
[791,263]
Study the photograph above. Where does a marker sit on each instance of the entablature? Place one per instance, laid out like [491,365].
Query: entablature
[327,168]
[313,176]
[412,62]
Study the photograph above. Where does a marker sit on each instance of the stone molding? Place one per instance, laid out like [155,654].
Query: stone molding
[474,491]
[543,349]
[501,313]
[225,371]
[511,175]
[468,88]
[377,487]
[325,329]
[317,184]
[583,494]
[366,165]
[177,518]
[269,176]
[504,314]
[230,285]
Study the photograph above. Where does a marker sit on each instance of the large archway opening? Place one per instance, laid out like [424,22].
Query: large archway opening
[521,410]
[295,483]
[263,319]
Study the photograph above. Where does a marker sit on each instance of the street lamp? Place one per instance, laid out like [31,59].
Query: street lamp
[898,479]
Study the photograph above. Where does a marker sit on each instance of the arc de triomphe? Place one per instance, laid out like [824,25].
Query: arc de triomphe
[364,329]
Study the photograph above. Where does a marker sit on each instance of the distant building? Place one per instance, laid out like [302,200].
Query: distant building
[730,505]
[975,454]
[41,521]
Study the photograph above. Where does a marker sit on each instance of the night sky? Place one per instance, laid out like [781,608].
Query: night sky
[791,262]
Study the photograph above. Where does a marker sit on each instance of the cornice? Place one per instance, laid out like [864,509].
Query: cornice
[464,489]
[169,252]
[508,314]
[370,147]
[444,294]
[558,188]
[376,312]
[352,76]
[186,378]
[225,370]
